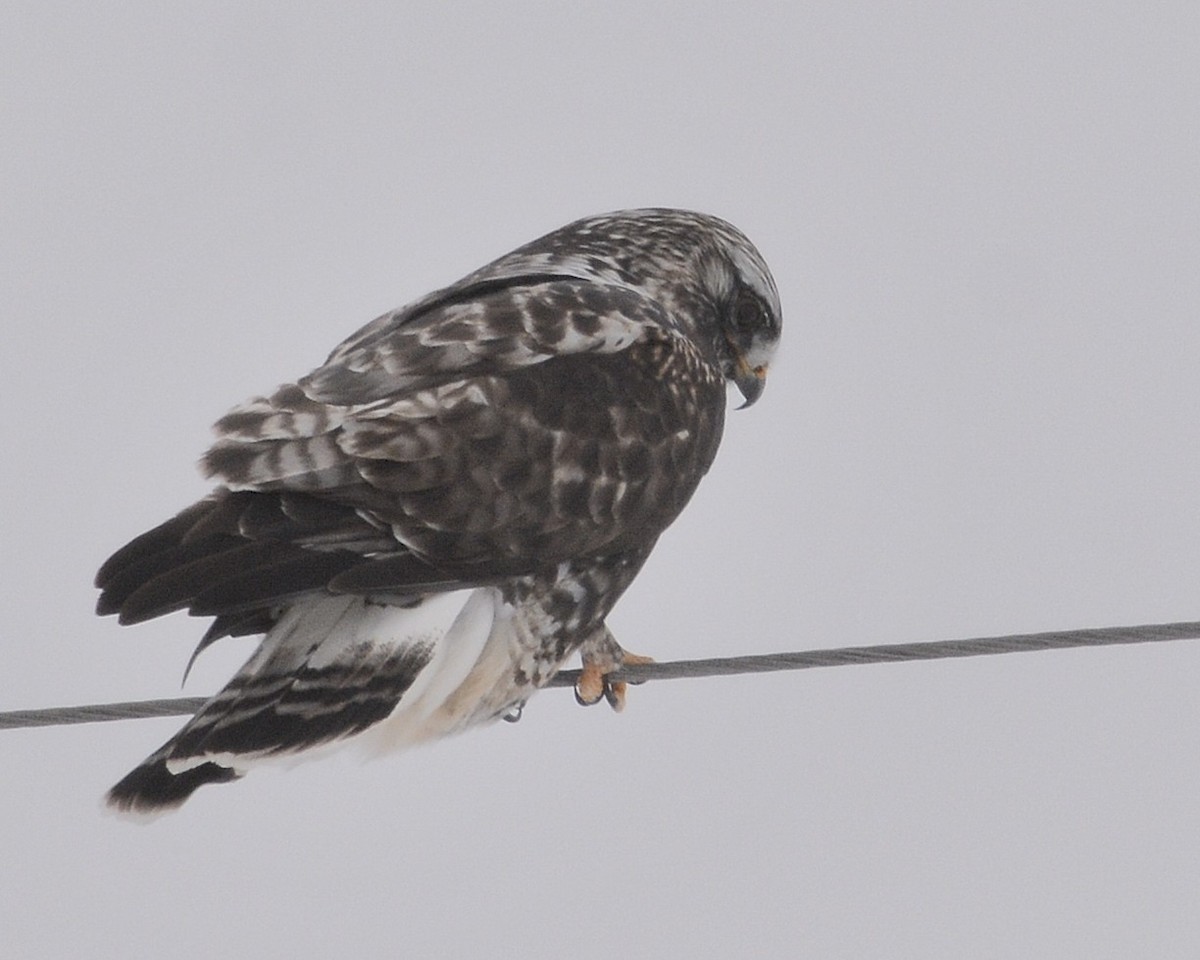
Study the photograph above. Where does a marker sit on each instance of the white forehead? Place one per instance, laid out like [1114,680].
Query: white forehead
[740,262]
[753,272]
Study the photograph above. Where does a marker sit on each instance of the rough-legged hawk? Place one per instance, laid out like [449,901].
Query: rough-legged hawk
[429,524]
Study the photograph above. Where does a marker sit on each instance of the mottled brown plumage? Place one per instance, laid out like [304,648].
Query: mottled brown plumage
[427,525]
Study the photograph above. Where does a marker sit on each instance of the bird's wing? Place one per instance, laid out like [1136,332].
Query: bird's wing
[484,436]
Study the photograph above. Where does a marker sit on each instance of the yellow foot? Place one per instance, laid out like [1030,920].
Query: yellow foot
[601,658]
[614,690]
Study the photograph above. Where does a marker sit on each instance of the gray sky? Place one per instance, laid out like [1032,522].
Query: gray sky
[985,225]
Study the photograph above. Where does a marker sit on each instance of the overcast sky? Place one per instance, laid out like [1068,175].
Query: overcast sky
[984,220]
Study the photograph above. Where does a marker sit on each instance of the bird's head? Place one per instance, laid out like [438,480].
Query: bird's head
[738,306]
[704,273]
[748,313]
[707,276]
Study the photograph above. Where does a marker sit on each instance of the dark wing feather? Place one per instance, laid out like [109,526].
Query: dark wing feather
[296,573]
[125,579]
[165,536]
[237,555]
[176,587]
[384,575]
[487,438]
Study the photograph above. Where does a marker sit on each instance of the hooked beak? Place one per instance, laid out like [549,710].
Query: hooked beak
[750,381]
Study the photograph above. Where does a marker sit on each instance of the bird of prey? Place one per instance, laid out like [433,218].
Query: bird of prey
[430,523]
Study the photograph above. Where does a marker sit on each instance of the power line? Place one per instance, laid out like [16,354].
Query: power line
[897,652]
[96,712]
[693,669]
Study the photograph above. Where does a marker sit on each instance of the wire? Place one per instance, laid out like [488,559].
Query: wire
[897,652]
[688,669]
[96,712]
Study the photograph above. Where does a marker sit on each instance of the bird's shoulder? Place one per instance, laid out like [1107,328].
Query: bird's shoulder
[486,327]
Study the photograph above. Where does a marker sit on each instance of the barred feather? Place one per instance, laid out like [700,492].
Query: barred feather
[429,523]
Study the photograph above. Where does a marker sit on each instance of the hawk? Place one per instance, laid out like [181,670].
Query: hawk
[429,524]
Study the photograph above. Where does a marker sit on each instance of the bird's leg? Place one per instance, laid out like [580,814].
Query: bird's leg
[601,656]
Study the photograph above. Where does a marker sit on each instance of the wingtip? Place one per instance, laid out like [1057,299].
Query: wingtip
[105,607]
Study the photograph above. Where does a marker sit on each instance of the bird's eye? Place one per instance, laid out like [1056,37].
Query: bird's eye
[747,313]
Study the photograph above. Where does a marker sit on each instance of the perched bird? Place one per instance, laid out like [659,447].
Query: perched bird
[429,524]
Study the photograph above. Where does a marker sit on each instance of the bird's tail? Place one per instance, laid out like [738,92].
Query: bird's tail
[331,667]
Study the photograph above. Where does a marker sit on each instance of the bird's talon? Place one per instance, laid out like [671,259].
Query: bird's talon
[590,686]
[614,693]
[597,679]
